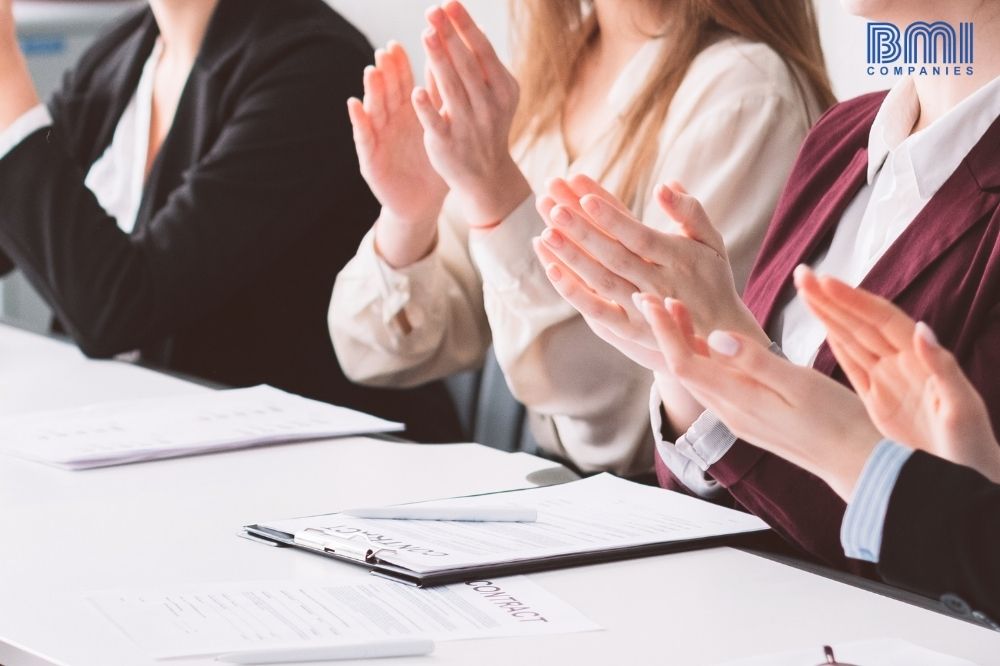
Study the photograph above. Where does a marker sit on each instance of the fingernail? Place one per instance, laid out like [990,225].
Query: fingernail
[637,299]
[925,331]
[591,204]
[552,237]
[666,194]
[561,216]
[553,272]
[724,343]
[800,272]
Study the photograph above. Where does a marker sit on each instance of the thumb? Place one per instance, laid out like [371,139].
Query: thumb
[941,364]
[688,213]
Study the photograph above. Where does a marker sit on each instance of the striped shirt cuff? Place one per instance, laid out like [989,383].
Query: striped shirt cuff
[861,531]
[23,127]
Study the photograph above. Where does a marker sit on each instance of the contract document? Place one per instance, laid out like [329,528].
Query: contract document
[213,619]
[594,519]
[133,431]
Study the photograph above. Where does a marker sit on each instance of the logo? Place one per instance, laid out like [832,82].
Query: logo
[921,49]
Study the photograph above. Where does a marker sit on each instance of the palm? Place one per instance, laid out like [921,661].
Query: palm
[898,398]
[397,167]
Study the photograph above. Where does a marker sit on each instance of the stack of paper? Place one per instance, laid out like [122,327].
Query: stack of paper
[599,518]
[210,619]
[134,431]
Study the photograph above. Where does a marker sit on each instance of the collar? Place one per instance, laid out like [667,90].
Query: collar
[936,151]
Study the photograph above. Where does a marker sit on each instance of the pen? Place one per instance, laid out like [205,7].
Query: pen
[482,514]
[370,650]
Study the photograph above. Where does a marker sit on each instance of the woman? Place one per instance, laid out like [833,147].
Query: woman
[174,197]
[926,517]
[704,90]
[895,192]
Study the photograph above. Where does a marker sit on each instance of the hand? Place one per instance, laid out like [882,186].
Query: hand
[468,138]
[914,390]
[393,160]
[604,255]
[794,412]
[17,91]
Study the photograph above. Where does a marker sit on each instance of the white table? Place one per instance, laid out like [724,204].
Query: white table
[67,533]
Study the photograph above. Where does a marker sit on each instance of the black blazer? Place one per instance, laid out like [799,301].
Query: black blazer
[942,536]
[252,207]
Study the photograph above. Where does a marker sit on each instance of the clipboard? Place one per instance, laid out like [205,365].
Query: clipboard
[361,551]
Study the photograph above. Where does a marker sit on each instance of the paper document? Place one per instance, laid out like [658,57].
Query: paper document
[887,652]
[133,431]
[212,619]
[597,514]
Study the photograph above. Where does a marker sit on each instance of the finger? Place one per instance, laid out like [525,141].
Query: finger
[608,252]
[940,363]
[462,57]
[544,206]
[873,321]
[641,354]
[598,278]
[364,134]
[404,68]
[584,185]
[563,193]
[394,95]
[432,88]
[754,360]
[429,117]
[477,41]
[374,81]
[679,355]
[856,373]
[577,294]
[689,214]
[630,232]
[864,343]
[450,85]
[685,322]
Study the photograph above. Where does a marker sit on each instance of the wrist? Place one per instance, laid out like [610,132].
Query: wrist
[402,242]
[496,198]
[17,90]
[680,409]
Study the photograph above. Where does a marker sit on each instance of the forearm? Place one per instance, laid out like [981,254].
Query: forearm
[17,90]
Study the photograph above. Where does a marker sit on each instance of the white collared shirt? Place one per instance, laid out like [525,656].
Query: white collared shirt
[118,177]
[904,172]
[731,135]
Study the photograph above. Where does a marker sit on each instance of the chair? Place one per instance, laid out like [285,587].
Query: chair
[488,412]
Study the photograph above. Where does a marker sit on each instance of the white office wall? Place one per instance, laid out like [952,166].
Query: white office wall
[844,43]
[403,21]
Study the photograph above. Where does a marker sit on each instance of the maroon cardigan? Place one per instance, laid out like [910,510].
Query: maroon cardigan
[944,269]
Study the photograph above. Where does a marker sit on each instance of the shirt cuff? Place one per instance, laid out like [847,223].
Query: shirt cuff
[29,123]
[861,531]
[400,288]
[680,465]
[503,253]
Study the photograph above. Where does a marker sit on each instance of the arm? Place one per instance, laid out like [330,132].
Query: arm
[408,308]
[954,544]
[254,193]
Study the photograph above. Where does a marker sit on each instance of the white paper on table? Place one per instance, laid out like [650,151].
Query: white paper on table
[223,617]
[885,652]
[132,431]
[596,514]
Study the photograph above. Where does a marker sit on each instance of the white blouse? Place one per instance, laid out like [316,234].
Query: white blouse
[117,178]
[731,135]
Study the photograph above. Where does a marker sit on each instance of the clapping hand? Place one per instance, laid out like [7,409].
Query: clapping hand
[467,136]
[794,412]
[914,390]
[17,91]
[390,146]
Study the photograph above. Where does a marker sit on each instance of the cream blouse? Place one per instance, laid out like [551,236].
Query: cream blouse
[731,134]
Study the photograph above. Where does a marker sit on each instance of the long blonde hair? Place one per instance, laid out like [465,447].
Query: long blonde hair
[553,35]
